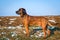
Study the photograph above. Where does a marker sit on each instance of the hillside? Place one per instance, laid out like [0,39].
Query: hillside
[16,20]
[10,29]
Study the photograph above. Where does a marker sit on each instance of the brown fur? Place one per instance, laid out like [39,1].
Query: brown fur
[33,20]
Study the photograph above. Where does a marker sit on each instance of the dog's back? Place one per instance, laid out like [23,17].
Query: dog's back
[37,20]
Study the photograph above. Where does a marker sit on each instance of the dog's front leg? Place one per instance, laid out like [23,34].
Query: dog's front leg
[27,29]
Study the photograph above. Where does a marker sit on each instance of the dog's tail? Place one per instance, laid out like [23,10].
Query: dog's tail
[52,21]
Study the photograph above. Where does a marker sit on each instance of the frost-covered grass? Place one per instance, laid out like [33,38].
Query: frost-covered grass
[18,33]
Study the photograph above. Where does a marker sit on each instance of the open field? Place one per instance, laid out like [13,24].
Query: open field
[10,29]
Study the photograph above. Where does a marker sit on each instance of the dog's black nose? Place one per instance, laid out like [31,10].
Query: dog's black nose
[16,11]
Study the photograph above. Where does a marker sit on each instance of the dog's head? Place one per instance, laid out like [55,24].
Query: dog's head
[21,12]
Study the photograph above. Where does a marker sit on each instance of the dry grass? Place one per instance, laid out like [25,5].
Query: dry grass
[6,34]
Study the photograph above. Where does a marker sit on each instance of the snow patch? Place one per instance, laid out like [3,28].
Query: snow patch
[3,33]
[10,22]
[13,19]
[24,32]
[13,34]
[10,27]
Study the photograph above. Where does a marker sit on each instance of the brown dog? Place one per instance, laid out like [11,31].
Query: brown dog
[33,20]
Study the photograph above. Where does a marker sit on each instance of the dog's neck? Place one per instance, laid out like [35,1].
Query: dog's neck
[24,16]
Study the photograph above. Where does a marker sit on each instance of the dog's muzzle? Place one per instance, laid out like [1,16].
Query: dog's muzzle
[16,11]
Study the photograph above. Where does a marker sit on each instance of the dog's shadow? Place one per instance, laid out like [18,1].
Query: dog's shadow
[52,29]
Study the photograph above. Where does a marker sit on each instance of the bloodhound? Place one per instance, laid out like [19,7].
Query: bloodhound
[33,20]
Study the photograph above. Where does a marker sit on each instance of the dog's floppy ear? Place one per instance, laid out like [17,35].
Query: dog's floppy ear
[24,11]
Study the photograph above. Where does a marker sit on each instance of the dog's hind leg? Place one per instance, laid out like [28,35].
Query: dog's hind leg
[49,32]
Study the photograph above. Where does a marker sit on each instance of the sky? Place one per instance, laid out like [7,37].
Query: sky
[33,7]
